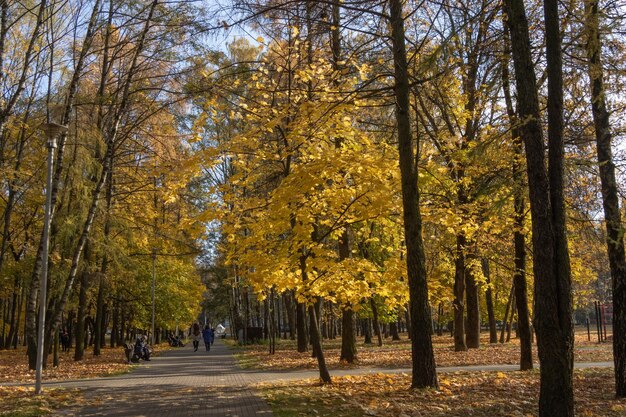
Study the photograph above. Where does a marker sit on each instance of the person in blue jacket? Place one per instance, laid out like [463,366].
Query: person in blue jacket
[207,335]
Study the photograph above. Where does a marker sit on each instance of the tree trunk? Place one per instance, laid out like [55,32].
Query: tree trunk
[393,329]
[423,359]
[312,327]
[17,323]
[273,322]
[459,291]
[5,315]
[405,326]
[266,320]
[376,322]
[317,346]
[332,330]
[519,240]
[105,323]
[55,355]
[509,303]
[89,332]
[493,331]
[472,332]
[12,320]
[303,343]
[367,331]
[553,298]
[348,339]
[99,318]
[115,312]
[278,314]
[519,282]
[509,327]
[291,319]
[348,336]
[610,194]
[122,338]
[80,318]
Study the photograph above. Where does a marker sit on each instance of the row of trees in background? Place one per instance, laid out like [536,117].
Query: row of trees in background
[114,72]
[305,127]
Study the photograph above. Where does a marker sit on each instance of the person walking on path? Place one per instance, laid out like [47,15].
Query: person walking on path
[196,335]
[207,335]
[65,340]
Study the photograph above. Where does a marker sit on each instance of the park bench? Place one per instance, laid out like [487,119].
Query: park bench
[254,334]
[131,356]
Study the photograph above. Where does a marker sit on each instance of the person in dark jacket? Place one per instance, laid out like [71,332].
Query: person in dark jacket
[142,350]
[207,335]
[65,340]
[196,335]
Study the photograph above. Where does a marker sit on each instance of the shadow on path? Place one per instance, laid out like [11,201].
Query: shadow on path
[171,401]
[179,382]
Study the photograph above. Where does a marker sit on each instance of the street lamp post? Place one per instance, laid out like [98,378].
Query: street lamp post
[154,254]
[52,130]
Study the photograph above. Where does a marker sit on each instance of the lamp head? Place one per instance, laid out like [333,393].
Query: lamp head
[52,131]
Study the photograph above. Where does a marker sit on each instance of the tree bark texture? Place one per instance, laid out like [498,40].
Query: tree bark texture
[519,239]
[472,331]
[80,318]
[521,292]
[393,329]
[553,305]
[505,320]
[459,292]
[367,331]
[610,193]
[493,331]
[376,322]
[423,359]
[99,314]
[348,338]
[317,347]
[303,343]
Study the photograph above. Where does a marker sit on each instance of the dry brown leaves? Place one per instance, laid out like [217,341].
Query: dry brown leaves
[397,354]
[481,394]
[21,401]
[14,365]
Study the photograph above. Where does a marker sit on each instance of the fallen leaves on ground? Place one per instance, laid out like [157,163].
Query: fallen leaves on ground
[479,394]
[14,365]
[397,354]
[22,401]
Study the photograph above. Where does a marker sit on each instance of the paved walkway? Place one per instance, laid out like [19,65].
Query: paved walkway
[179,382]
[182,382]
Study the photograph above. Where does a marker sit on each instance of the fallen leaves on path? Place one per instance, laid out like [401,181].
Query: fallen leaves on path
[480,394]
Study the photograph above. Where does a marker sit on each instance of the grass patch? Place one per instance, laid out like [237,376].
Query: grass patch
[246,361]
